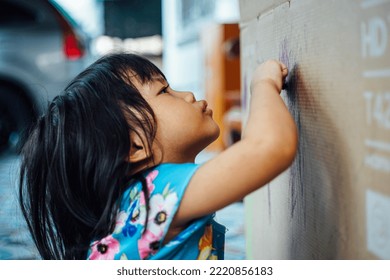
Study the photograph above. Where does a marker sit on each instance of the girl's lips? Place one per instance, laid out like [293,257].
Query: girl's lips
[209,112]
[205,109]
[203,104]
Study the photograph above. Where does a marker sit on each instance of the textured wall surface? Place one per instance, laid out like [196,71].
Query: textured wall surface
[334,201]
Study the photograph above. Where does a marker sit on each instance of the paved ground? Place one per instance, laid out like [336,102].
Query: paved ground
[15,242]
[232,217]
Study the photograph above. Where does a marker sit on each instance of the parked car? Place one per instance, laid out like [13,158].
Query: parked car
[41,50]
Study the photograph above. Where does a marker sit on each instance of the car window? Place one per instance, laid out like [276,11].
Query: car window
[15,15]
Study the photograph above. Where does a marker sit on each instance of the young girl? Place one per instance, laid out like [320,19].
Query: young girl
[108,172]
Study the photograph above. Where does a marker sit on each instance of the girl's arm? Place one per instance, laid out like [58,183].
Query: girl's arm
[267,148]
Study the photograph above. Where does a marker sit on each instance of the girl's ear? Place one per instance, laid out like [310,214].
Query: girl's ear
[138,151]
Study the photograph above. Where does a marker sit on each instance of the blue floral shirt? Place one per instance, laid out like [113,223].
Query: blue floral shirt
[201,239]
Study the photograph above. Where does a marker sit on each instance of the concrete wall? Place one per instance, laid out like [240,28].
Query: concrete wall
[334,201]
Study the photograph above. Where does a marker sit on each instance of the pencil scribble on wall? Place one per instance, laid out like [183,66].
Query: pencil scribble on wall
[296,185]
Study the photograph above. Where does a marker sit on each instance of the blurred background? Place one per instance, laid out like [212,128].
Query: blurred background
[44,44]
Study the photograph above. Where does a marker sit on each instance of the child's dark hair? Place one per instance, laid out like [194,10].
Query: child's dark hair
[74,165]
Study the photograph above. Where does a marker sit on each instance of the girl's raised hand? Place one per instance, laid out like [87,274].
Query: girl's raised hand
[271,71]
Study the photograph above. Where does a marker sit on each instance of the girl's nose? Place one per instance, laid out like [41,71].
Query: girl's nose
[186,95]
[189,97]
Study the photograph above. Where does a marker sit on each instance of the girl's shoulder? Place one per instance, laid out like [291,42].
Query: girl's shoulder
[165,182]
[175,171]
[168,177]
[177,168]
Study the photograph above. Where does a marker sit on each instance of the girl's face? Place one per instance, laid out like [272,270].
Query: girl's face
[184,126]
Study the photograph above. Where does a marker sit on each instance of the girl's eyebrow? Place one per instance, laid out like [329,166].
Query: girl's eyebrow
[163,88]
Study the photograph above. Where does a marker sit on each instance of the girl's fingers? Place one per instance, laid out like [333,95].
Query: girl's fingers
[284,69]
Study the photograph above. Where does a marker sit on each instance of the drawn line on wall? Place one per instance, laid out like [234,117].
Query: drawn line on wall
[380,145]
[372,3]
[380,73]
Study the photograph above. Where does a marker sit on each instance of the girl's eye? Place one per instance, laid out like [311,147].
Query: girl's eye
[164,90]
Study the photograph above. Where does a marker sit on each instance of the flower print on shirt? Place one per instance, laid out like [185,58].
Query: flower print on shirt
[148,244]
[120,221]
[130,225]
[161,209]
[206,245]
[135,215]
[104,249]
[162,206]
[149,184]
